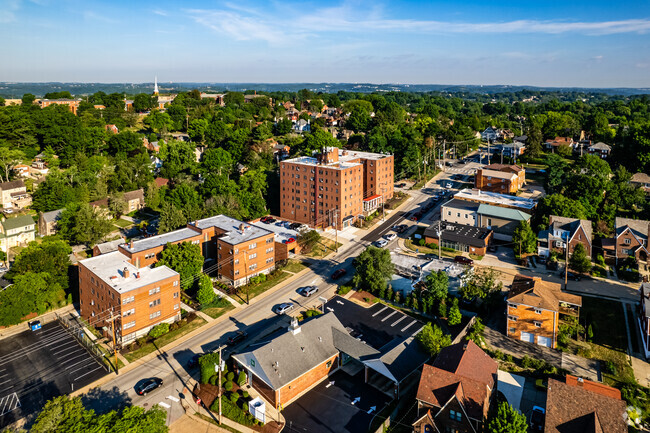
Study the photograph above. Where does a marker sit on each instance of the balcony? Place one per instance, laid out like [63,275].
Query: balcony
[569,309]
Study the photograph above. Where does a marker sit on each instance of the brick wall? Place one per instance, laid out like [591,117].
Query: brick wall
[526,318]
[292,390]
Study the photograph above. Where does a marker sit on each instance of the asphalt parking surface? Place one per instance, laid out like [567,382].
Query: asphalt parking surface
[330,409]
[36,366]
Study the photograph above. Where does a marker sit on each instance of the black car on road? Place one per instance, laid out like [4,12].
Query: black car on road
[148,385]
[239,336]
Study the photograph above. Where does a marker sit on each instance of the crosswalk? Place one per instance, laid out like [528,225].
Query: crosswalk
[9,403]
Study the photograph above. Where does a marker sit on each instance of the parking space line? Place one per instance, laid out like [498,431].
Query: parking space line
[6,389]
[63,349]
[398,320]
[409,325]
[8,380]
[70,351]
[391,314]
[380,311]
[77,363]
[86,374]
[165,405]
[79,368]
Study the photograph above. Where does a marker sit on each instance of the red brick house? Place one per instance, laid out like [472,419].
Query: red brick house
[560,229]
[579,405]
[455,392]
[630,240]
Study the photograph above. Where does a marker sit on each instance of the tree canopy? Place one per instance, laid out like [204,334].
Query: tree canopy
[184,258]
[374,269]
[506,419]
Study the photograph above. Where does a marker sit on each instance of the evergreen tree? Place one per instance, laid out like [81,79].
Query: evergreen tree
[507,419]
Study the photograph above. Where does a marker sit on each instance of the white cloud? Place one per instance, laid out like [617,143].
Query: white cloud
[160,12]
[8,9]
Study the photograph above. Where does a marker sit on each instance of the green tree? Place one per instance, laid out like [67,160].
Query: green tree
[282,126]
[52,256]
[28,99]
[432,339]
[80,223]
[308,239]
[524,240]
[205,293]
[506,419]
[8,159]
[117,205]
[479,282]
[143,102]
[438,284]
[579,261]
[184,258]
[374,269]
[171,218]
[318,139]
[455,317]
[208,365]
[560,205]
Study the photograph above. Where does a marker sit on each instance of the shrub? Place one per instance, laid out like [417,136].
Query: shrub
[234,397]
[342,290]
[241,379]
[159,330]
[244,407]
[207,365]
[422,242]
[497,354]
[509,358]
[245,394]
[233,412]
[213,379]
[230,376]
[610,368]
[229,386]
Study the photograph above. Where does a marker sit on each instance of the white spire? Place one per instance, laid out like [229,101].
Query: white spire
[155,86]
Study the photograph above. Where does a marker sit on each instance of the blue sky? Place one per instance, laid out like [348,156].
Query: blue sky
[550,43]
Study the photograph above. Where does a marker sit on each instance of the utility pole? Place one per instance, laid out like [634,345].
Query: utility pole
[444,154]
[488,153]
[566,261]
[112,320]
[439,242]
[220,385]
[502,154]
[246,276]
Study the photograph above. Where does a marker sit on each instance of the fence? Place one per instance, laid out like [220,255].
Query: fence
[79,334]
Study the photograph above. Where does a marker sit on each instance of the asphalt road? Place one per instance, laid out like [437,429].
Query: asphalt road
[255,319]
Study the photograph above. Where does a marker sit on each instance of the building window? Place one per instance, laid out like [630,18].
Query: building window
[236,273]
[269,240]
[175,283]
[129,299]
[128,312]
[196,242]
[236,261]
[538,324]
[128,325]
[154,290]
[329,364]
[175,306]
[253,266]
[150,256]
[454,415]
[176,295]
[154,303]
[269,260]
[253,245]
[628,241]
[511,330]
[154,315]
[252,256]
[538,311]
[512,318]
[269,250]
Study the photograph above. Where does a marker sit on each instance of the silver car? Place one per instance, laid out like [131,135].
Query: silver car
[283,308]
[307,291]
[390,236]
[381,243]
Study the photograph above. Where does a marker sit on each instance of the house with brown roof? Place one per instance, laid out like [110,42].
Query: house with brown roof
[641,180]
[14,195]
[561,229]
[630,240]
[600,149]
[553,144]
[582,406]
[501,178]
[454,393]
[134,200]
[535,308]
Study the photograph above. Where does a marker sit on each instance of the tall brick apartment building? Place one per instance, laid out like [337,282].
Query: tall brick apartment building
[334,187]
[123,282]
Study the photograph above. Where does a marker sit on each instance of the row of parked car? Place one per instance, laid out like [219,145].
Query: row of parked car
[286,224]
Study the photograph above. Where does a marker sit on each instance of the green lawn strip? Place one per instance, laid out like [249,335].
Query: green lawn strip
[218,308]
[110,358]
[420,184]
[257,289]
[122,223]
[164,340]
[294,266]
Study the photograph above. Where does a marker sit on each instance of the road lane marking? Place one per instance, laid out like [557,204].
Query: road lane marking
[172,398]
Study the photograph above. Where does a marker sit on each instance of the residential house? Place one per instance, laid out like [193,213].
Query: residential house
[600,149]
[250,98]
[13,195]
[505,134]
[216,97]
[560,229]
[580,405]
[107,247]
[16,231]
[630,240]
[490,133]
[553,144]
[641,180]
[535,308]
[39,165]
[513,150]
[113,129]
[134,200]
[161,181]
[301,126]
[459,237]
[500,178]
[47,222]
[455,393]
[281,151]
[21,170]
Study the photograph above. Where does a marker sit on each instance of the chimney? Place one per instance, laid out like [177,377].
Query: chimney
[131,244]
[465,346]
[241,228]
[125,272]
[581,382]
[294,328]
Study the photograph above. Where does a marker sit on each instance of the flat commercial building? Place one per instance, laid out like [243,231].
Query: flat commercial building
[334,187]
[496,199]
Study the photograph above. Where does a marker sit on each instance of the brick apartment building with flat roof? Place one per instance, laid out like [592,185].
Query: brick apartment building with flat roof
[124,282]
[334,187]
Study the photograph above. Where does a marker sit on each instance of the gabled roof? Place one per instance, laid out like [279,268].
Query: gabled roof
[291,354]
[640,178]
[466,359]
[536,293]
[12,185]
[438,386]
[503,212]
[510,168]
[577,407]
[600,146]
[638,227]
[138,194]
[571,225]
[17,222]
[53,215]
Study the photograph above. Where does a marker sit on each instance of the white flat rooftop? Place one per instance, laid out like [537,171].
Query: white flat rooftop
[281,233]
[110,269]
[495,198]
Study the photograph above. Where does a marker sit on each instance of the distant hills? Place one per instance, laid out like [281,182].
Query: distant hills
[16,90]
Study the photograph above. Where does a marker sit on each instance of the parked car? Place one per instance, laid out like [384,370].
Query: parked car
[280,223]
[401,185]
[449,185]
[537,419]
[400,228]
[148,385]
[415,217]
[294,226]
[463,260]
[237,338]
[449,164]
[283,308]
[307,291]
[339,273]
[288,241]
[264,219]
[381,243]
[541,259]
[390,236]
[269,220]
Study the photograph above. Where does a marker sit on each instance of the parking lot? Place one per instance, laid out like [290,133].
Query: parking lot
[36,366]
[334,407]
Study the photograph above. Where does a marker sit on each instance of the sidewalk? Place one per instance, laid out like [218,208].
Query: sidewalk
[50,316]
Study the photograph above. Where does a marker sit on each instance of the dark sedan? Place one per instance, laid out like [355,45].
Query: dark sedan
[148,385]
[237,338]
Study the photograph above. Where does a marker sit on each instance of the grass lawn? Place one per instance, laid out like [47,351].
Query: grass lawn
[218,308]
[323,248]
[260,288]
[610,337]
[122,223]
[294,266]
[421,183]
[164,340]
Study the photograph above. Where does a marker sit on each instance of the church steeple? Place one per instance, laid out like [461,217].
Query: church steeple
[155,86]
